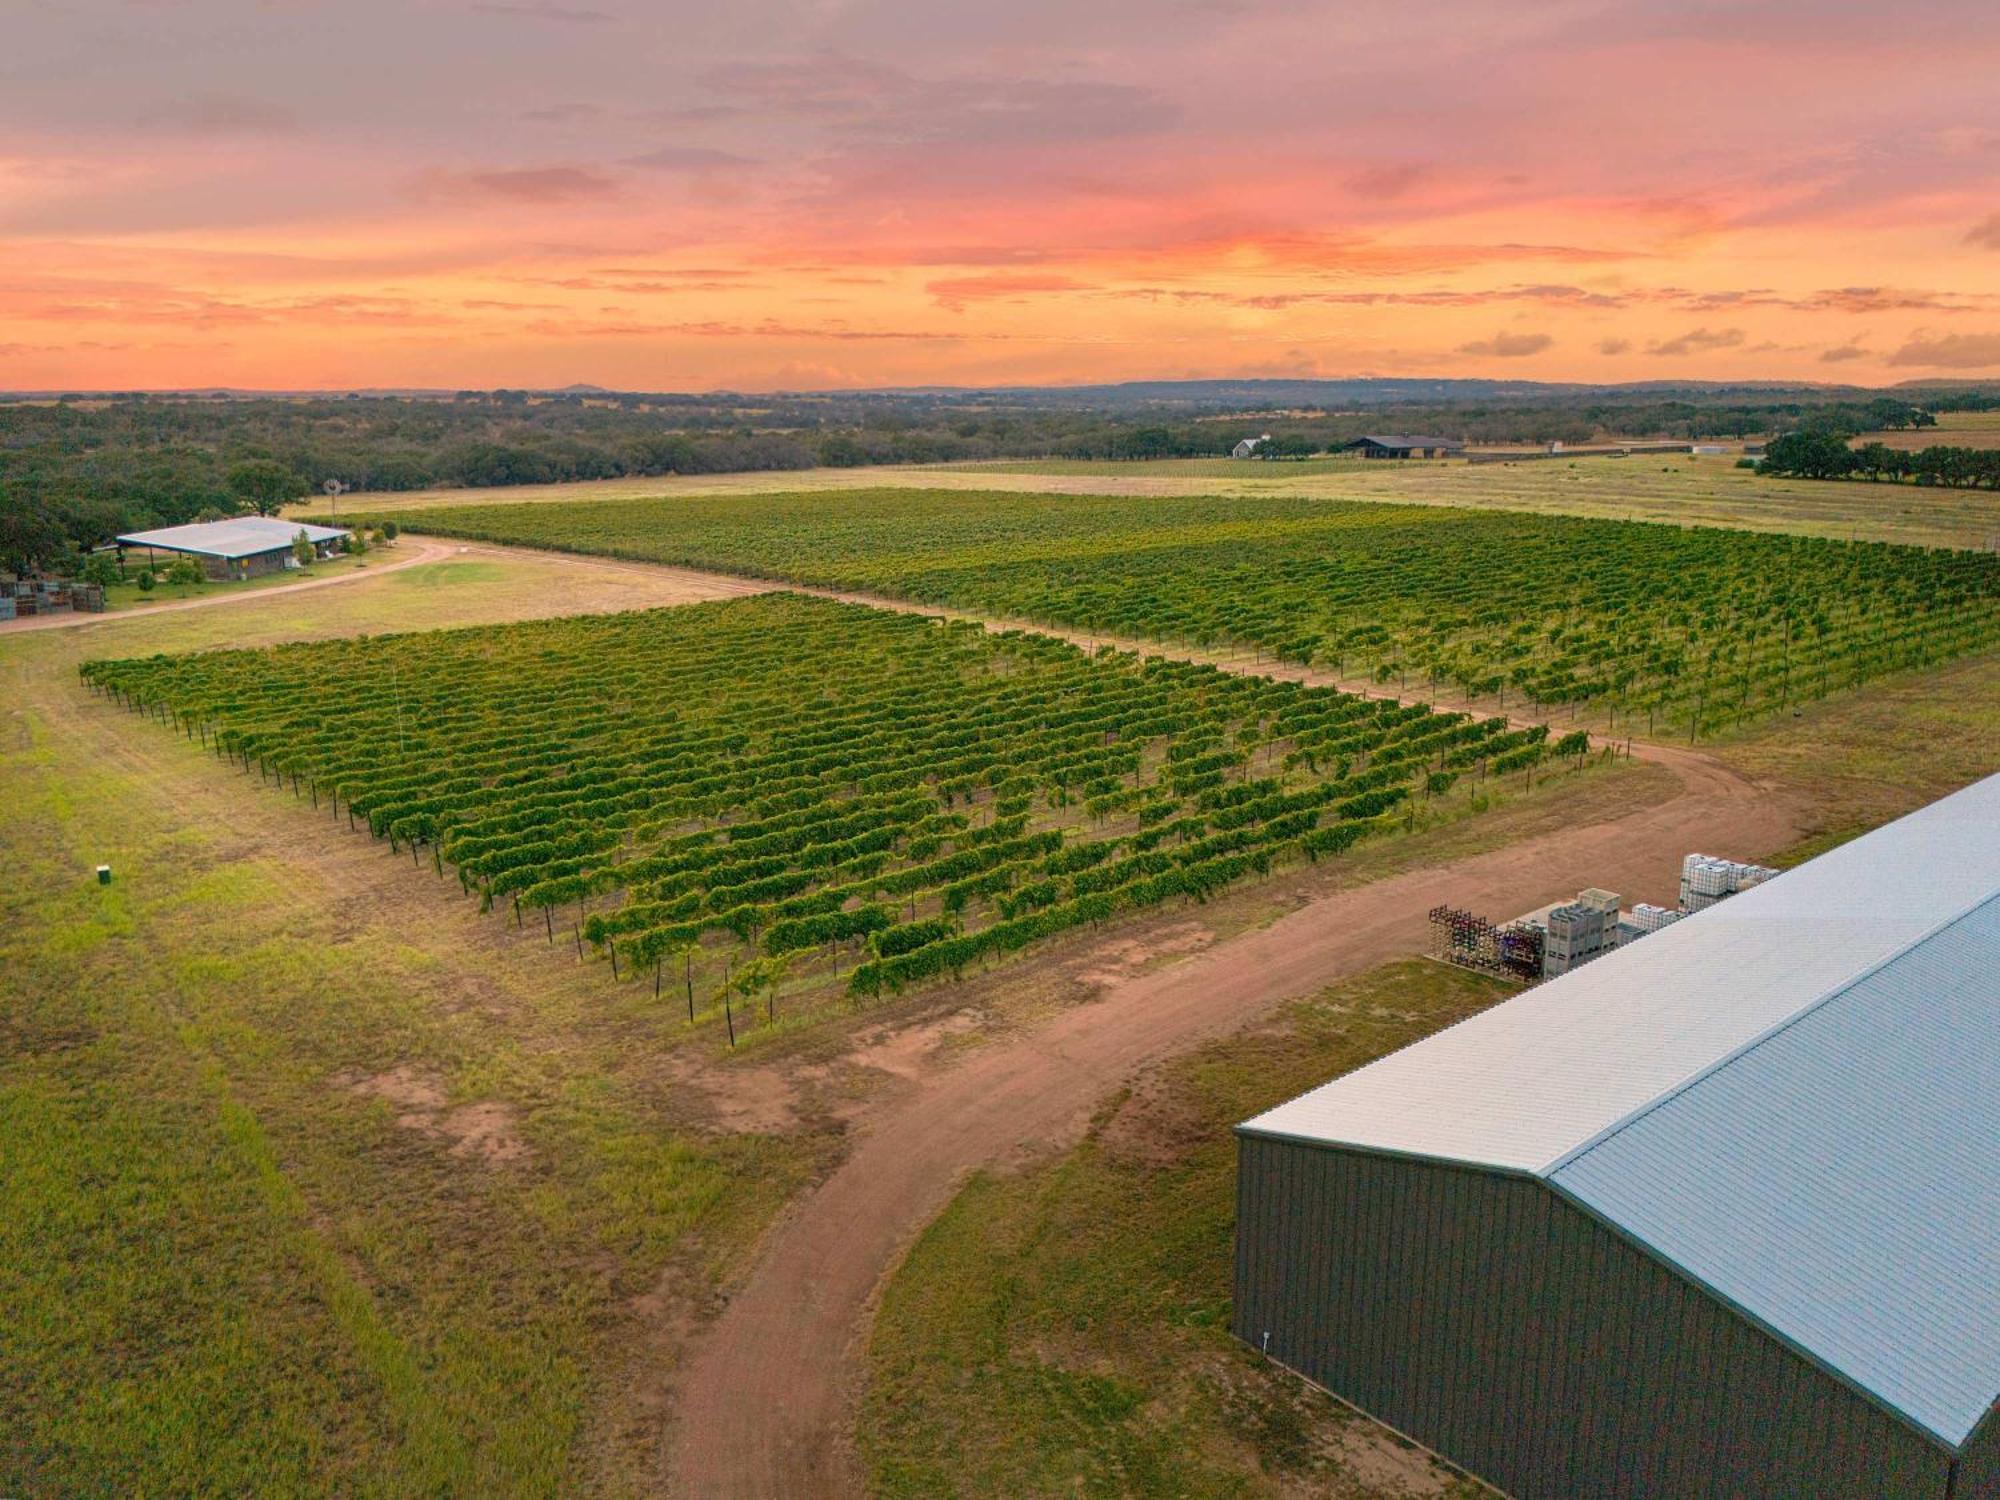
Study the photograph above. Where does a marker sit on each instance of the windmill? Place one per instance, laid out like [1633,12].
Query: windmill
[335,488]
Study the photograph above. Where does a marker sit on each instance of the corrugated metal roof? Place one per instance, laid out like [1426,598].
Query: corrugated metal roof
[1794,1095]
[1527,1083]
[1402,440]
[1840,1181]
[241,536]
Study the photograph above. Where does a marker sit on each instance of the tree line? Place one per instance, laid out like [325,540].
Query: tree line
[1821,454]
[74,473]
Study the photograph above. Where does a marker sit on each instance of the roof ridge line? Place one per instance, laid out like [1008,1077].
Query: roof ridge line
[1548,1171]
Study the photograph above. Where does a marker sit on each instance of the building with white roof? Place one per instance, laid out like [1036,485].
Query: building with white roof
[1718,1214]
[241,547]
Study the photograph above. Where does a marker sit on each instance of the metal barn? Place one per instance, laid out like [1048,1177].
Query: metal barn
[1401,445]
[1717,1215]
[241,547]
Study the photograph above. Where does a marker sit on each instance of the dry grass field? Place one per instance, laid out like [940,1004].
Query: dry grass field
[1955,429]
[1708,490]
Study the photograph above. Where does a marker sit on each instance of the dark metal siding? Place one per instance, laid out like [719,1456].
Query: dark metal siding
[1979,1462]
[1498,1324]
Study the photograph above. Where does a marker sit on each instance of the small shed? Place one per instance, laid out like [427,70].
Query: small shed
[241,547]
[1401,445]
[1248,447]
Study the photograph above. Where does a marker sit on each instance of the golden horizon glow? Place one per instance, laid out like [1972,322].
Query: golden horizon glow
[821,195]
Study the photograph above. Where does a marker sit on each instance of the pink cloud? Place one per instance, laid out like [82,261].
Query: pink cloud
[523,185]
[1952,351]
[1037,190]
[1508,345]
[1698,341]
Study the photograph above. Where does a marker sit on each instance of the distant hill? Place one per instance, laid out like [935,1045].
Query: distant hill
[1182,395]
[1367,391]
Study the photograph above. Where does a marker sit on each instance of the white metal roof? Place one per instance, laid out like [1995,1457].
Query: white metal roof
[1528,1083]
[1841,1181]
[1793,1096]
[240,536]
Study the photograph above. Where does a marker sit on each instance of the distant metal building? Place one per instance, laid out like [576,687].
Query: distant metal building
[1716,1215]
[242,547]
[1248,447]
[1398,445]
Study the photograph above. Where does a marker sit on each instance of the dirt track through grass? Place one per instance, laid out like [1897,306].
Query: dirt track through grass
[1065,1328]
[754,1419]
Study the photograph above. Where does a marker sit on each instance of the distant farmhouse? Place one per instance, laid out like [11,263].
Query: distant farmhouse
[1394,445]
[1249,446]
[244,547]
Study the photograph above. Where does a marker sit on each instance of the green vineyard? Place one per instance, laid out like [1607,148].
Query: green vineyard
[777,786]
[1643,627]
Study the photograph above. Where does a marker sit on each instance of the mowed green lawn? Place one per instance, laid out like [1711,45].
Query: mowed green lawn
[313,1180]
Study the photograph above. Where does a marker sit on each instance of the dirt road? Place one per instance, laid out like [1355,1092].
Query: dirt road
[427,551]
[764,1405]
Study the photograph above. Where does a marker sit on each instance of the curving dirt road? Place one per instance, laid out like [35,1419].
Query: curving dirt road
[764,1404]
[428,551]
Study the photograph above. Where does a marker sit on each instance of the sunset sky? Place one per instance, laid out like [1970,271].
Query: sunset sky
[827,193]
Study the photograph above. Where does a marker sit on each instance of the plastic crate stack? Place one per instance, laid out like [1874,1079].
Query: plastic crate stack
[1706,880]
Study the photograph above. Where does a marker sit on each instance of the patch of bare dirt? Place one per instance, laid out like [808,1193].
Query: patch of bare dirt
[488,1131]
[1154,1127]
[1120,961]
[756,1100]
[908,1051]
[409,1088]
[1387,1465]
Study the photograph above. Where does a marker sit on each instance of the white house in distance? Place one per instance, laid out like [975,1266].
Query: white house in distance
[1248,447]
[241,547]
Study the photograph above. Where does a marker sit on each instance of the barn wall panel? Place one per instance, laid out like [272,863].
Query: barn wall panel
[1523,1339]
[1979,1462]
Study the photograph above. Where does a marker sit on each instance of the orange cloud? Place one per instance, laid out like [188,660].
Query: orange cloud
[955,292]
